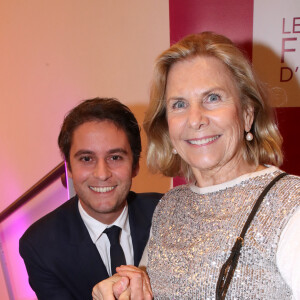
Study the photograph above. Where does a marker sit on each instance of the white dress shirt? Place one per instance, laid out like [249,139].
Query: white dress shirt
[96,228]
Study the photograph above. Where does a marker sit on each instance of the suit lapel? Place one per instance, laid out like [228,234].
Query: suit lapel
[139,228]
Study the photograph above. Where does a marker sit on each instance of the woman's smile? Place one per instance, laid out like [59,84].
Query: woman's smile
[203,141]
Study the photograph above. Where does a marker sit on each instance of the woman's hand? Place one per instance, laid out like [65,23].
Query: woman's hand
[140,288]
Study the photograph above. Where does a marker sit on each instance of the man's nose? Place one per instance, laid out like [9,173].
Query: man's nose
[102,170]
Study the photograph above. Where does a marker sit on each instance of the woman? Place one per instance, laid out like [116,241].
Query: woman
[209,120]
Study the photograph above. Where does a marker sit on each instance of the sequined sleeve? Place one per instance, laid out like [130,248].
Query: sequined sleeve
[288,254]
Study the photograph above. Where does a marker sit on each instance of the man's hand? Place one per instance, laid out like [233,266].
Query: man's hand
[129,283]
[111,288]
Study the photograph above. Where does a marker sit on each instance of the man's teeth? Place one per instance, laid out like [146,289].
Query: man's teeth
[203,141]
[102,189]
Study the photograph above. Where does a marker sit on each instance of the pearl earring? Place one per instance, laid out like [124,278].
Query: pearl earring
[249,136]
[174,151]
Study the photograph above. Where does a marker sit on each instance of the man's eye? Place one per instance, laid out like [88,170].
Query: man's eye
[85,158]
[116,157]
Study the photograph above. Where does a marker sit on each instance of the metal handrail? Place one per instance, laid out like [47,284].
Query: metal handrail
[57,172]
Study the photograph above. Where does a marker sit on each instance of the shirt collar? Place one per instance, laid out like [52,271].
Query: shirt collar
[96,228]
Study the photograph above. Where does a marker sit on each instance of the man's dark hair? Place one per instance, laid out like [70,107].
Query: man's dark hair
[100,109]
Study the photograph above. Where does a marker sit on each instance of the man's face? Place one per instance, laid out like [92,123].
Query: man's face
[101,169]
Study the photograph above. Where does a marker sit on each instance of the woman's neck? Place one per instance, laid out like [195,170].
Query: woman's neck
[205,178]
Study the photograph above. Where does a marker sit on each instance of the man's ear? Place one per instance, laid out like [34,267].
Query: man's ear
[136,170]
[248,115]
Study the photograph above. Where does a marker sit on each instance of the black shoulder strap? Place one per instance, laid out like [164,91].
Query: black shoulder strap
[229,266]
[258,203]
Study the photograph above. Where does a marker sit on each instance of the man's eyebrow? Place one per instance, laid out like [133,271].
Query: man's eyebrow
[117,150]
[82,152]
[111,151]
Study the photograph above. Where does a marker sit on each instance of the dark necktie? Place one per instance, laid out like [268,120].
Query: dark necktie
[117,256]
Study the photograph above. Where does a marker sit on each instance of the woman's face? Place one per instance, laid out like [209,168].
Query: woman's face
[205,119]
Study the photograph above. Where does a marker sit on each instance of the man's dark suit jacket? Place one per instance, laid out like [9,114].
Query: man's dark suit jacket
[61,260]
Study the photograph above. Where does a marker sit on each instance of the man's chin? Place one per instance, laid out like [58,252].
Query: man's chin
[109,209]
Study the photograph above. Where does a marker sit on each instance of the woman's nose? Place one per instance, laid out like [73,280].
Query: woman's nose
[102,170]
[197,117]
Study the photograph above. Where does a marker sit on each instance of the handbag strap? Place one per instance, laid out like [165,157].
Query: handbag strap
[258,203]
[229,266]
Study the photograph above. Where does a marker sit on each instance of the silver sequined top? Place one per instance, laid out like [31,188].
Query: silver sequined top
[194,230]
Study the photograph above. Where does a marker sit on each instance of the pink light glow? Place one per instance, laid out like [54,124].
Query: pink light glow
[14,227]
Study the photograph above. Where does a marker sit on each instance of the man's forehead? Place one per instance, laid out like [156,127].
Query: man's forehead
[99,136]
[99,126]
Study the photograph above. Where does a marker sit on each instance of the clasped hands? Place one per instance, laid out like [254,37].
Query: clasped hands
[129,282]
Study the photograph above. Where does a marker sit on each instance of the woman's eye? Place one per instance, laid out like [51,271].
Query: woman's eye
[178,104]
[213,97]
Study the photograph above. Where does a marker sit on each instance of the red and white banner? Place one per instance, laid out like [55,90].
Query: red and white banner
[276,48]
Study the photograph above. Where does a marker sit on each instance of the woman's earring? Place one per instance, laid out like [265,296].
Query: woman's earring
[249,136]
[174,151]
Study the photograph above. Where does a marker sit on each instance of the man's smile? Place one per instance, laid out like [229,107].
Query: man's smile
[103,189]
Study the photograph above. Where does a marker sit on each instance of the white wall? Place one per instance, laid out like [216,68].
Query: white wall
[53,55]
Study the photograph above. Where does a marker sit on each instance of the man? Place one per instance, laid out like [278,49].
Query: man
[68,251]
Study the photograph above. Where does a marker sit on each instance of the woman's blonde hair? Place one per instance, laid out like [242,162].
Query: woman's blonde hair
[265,148]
